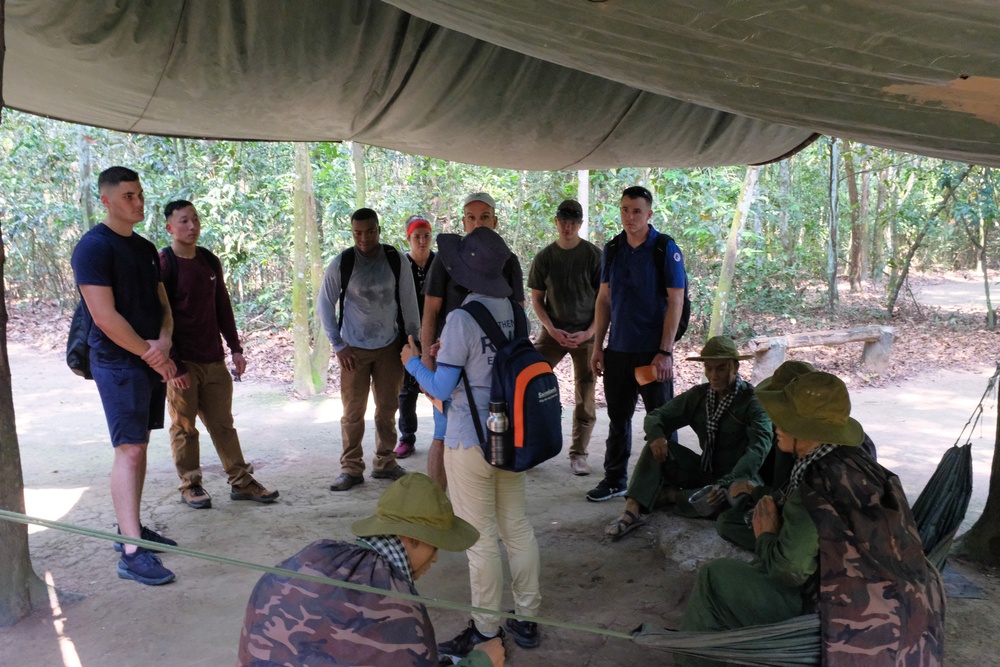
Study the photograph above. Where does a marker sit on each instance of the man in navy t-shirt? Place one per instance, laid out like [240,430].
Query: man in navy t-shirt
[642,304]
[118,274]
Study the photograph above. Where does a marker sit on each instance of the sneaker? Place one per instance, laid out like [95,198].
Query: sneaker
[605,491]
[197,497]
[145,567]
[462,645]
[150,536]
[393,473]
[404,449]
[254,491]
[525,633]
[345,482]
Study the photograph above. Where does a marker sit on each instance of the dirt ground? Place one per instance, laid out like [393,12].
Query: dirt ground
[295,445]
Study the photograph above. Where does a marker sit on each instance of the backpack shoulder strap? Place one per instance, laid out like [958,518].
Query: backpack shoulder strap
[520,319]
[213,260]
[660,254]
[170,284]
[484,318]
[346,269]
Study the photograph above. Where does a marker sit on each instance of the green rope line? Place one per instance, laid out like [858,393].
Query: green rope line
[235,562]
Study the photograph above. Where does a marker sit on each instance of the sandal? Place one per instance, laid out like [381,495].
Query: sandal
[621,526]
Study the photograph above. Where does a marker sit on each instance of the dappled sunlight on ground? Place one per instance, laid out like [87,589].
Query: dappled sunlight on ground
[50,504]
[66,646]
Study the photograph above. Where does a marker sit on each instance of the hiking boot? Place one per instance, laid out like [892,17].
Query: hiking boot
[150,536]
[463,644]
[345,482]
[255,491]
[525,633]
[197,497]
[393,473]
[605,491]
[404,449]
[145,567]
[579,466]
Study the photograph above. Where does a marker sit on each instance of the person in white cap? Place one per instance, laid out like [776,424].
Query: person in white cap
[443,295]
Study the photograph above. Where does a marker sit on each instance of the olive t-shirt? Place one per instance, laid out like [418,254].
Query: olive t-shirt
[570,280]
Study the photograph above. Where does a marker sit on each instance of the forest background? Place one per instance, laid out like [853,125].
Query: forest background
[765,247]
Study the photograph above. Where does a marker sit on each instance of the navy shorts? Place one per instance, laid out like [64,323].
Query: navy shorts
[133,396]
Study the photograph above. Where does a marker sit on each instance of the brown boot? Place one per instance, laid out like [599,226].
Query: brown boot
[254,491]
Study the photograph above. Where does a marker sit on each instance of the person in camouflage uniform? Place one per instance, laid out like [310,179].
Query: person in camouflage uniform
[291,621]
[844,546]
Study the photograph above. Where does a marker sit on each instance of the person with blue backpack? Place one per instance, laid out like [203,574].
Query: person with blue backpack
[492,499]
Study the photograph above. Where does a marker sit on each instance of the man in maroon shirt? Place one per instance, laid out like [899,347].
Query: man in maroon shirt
[202,387]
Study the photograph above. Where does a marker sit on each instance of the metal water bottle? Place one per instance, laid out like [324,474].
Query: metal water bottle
[496,435]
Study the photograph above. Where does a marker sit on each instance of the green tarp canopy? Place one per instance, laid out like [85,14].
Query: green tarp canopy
[527,84]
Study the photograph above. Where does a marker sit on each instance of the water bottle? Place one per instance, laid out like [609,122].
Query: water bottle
[500,453]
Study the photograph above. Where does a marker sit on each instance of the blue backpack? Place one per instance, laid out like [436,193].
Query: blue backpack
[523,380]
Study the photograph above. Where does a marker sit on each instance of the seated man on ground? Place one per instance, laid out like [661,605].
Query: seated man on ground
[732,428]
[292,621]
[840,540]
[735,523]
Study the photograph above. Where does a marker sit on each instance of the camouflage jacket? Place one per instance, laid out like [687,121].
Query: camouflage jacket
[295,622]
[881,602]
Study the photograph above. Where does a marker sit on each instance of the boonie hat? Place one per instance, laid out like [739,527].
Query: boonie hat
[475,261]
[415,506]
[814,406]
[480,196]
[720,347]
[570,209]
[783,374]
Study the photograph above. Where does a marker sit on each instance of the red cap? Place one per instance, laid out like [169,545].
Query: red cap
[414,224]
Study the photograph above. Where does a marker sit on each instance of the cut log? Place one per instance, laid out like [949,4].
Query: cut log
[769,351]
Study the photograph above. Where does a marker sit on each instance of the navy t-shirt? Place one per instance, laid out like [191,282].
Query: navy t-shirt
[638,301]
[130,266]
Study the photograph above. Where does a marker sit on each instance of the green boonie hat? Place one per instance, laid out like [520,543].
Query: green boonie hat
[784,374]
[720,347]
[814,406]
[415,506]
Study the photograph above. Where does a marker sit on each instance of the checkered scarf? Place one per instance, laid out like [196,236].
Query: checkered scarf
[391,548]
[799,470]
[715,407]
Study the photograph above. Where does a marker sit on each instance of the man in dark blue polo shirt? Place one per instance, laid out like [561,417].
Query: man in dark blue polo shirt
[645,304]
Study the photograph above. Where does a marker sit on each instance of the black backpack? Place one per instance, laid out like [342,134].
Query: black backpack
[77,345]
[523,381]
[659,257]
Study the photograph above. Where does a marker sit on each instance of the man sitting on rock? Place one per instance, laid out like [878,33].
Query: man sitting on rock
[733,431]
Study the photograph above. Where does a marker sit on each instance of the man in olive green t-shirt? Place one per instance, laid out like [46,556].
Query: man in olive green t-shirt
[564,279]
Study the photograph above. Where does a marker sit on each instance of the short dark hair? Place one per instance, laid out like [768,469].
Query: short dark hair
[175,205]
[364,215]
[116,175]
[637,192]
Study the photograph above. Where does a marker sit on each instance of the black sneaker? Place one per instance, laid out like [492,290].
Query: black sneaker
[151,536]
[145,567]
[465,642]
[525,633]
[605,491]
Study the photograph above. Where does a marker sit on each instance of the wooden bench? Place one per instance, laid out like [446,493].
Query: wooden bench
[769,351]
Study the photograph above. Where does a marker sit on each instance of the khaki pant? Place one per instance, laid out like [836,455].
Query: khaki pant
[492,500]
[210,396]
[381,371]
[585,412]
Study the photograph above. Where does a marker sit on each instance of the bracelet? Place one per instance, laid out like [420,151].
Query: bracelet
[666,353]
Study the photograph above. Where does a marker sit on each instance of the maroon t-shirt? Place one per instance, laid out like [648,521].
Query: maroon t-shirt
[203,313]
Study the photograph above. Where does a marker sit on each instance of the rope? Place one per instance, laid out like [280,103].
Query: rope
[282,572]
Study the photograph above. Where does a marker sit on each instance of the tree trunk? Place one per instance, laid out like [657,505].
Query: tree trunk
[831,244]
[309,375]
[784,233]
[583,196]
[898,283]
[360,176]
[854,259]
[864,212]
[720,307]
[879,219]
[20,588]
[319,361]
[85,199]
[981,543]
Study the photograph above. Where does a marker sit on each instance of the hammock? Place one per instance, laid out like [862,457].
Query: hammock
[938,512]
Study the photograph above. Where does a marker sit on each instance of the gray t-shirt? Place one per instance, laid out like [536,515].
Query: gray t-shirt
[464,345]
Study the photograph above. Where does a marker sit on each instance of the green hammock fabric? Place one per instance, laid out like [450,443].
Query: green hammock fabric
[785,644]
[941,506]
